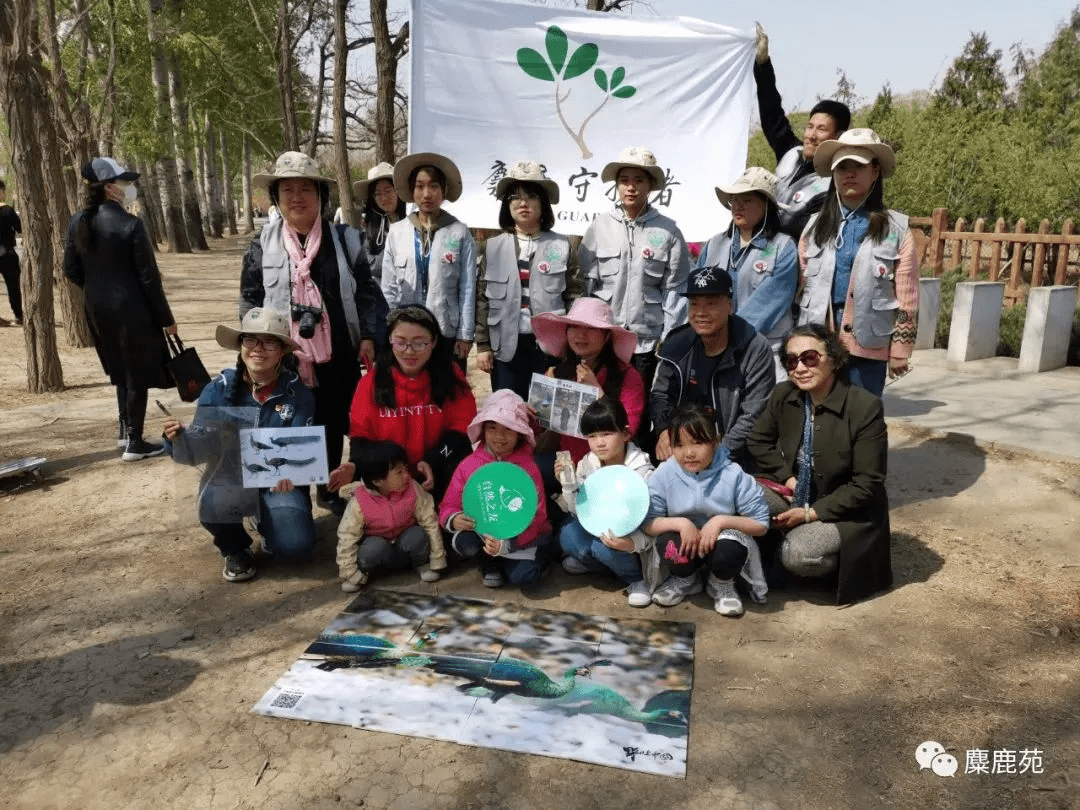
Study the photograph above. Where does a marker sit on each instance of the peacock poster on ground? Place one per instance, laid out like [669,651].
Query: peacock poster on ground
[607,691]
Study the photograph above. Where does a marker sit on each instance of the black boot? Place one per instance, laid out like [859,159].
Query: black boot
[135,448]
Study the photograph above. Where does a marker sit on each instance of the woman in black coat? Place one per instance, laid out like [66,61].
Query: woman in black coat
[109,255]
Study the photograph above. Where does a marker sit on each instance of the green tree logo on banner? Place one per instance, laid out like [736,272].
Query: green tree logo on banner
[558,69]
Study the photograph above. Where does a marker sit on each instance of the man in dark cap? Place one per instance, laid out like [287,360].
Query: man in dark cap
[800,188]
[717,360]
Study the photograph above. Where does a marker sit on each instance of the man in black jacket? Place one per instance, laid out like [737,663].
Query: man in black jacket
[800,188]
[9,259]
[717,360]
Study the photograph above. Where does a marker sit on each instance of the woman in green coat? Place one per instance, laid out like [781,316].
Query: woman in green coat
[825,444]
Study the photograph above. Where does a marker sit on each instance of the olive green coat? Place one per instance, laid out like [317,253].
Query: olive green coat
[851,448]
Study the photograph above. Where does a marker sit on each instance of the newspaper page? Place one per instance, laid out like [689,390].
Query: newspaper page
[560,403]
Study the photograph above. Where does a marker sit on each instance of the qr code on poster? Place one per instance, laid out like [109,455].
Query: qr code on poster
[286,700]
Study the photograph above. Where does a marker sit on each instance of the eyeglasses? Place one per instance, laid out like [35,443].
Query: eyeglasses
[268,343]
[415,346]
[810,358]
[528,196]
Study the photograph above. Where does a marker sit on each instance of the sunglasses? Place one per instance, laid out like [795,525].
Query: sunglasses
[810,358]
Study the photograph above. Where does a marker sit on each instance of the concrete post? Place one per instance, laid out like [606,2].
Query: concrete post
[929,309]
[1047,328]
[976,320]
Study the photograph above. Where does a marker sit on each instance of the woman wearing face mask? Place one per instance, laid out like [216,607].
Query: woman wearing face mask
[858,261]
[109,255]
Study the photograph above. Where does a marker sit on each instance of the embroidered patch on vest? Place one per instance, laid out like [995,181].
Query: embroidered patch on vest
[657,238]
[553,253]
[761,265]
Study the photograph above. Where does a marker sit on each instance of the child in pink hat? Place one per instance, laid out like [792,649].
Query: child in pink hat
[593,351]
[501,432]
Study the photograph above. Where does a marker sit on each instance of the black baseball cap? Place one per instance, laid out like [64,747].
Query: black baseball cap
[709,281]
[106,170]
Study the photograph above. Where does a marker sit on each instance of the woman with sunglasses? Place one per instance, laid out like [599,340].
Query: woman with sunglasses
[416,396]
[262,391]
[820,448]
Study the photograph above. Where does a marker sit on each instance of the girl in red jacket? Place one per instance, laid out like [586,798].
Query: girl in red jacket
[502,433]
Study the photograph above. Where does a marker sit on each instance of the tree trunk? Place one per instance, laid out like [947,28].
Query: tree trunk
[249,203]
[387,53]
[290,136]
[213,186]
[320,94]
[341,151]
[226,184]
[204,202]
[179,108]
[165,167]
[33,146]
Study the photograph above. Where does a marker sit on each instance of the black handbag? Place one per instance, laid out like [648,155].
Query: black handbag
[186,369]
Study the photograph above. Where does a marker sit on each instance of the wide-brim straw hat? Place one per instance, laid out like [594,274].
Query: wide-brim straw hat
[861,145]
[550,329]
[257,321]
[380,171]
[404,167]
[527,171]
[290,165]
[635,157]
[507,409]
[753,179]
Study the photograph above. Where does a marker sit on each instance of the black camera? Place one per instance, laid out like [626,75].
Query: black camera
[308,318]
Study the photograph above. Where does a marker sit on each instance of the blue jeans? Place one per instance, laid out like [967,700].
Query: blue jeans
[868,374]
[517,572]
[412,548]
[285,522]
[590,550]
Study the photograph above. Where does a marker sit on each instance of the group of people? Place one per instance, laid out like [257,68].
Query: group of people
[367,332]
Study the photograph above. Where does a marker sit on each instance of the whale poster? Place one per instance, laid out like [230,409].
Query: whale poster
[595,689]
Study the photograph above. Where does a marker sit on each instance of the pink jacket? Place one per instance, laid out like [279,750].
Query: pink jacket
[522,457]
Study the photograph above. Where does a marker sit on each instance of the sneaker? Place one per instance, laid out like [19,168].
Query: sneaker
[239,567]
[675,589]
[121,438]
[572,565]
[726,599]
[137,449]
[638,594]
[427,575]
[492,578]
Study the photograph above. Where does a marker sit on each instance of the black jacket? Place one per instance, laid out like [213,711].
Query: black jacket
[126,308]
[739,387]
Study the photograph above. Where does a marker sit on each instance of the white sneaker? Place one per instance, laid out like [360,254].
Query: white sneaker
[638,594]
[675,589]
[572,565]
[427,575]
[726,599]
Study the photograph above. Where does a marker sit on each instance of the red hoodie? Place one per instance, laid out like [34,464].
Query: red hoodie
[416,423]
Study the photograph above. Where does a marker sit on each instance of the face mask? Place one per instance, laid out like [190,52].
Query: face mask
[130,194]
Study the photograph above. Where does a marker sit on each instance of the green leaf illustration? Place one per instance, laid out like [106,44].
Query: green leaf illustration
[556,47]
[533,63]
[601,79]
[625,92]
[583,59]
[617,76]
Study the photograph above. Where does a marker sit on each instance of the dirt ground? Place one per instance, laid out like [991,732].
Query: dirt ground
[130,667]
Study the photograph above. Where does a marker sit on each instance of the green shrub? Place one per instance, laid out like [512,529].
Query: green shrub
[1012,331]
[949,280]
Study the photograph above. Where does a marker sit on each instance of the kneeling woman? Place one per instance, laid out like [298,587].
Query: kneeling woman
[259,393]
[826,440]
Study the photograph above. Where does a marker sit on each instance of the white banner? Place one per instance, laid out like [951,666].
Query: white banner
[494,83]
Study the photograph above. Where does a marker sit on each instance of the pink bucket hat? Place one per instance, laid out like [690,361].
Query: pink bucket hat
[550,329]
[506,408]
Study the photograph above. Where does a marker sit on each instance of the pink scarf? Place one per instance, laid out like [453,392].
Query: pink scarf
[315,349]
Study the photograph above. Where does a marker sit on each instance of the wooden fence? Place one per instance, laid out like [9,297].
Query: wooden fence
[998,253]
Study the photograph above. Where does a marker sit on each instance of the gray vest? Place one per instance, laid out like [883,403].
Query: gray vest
[796,194]
[547,283]
[757,265]
[874,304]
[277,273]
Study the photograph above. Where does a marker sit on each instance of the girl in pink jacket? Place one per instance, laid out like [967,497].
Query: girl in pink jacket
[501,432]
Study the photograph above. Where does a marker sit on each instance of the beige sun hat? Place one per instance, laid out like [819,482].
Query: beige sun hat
[528,171]
[257,321]
[754,178]
[861,145]
[291,164]
[380,171]
[637,157]
[404,167]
